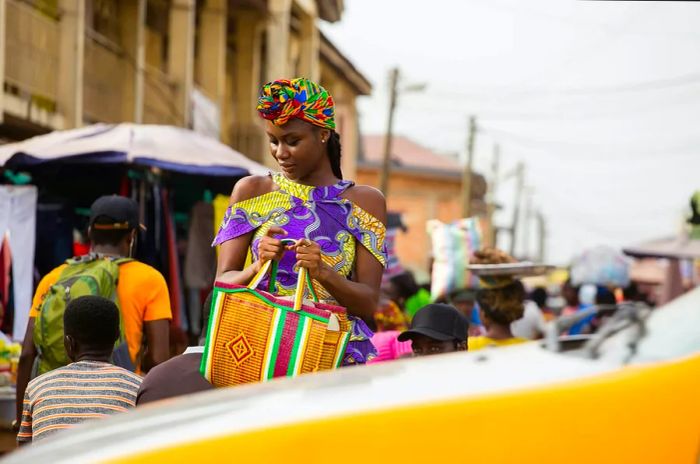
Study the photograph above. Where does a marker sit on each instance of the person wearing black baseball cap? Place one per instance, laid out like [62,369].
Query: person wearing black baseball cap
[437,328]
[114,221]
[141,291]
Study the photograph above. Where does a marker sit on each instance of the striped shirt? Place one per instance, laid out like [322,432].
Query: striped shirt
[80,391]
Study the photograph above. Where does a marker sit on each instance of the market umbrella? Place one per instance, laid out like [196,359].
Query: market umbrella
[601,266]
[167,147]
[681,247]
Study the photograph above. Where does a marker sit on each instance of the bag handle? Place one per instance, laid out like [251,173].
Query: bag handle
[303,280]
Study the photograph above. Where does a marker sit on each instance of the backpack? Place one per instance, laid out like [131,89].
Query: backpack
[87,275]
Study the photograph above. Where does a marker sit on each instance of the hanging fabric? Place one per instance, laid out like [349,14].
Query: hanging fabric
[174,284]
[18,221]
[200,260]
[5,266]
[54,236]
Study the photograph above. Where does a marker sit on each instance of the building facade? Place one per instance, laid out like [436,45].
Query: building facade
[190,63]
[423,185]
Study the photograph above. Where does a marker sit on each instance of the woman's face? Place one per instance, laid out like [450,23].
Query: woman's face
[298,147]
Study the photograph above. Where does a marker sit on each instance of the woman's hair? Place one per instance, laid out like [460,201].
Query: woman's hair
[502,304]
[334,154]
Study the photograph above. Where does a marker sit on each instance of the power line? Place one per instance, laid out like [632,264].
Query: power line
[669,83]
[506,137]
[561,115]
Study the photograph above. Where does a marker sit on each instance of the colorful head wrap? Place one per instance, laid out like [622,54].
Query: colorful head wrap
[301,98]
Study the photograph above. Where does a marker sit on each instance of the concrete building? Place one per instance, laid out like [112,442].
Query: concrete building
[191,63]
[423,185]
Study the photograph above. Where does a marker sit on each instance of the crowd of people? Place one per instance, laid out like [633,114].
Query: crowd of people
[97,342]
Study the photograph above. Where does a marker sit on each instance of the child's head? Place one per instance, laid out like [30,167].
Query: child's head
[437,328]
[90,325]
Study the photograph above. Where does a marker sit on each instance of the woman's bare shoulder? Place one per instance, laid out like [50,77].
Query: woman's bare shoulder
[368,198]
[251,187]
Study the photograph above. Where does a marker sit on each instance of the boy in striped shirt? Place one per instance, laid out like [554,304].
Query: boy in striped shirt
[88,388]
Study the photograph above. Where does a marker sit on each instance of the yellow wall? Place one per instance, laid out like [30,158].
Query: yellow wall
[346,119]
[111,88]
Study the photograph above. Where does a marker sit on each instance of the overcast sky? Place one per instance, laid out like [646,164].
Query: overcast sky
[600,100]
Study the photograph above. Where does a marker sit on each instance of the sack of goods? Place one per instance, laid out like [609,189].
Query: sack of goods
[453,244]
[255,336]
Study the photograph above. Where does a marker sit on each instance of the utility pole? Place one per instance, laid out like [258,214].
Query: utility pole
[467,173]
[386,164]
[542,236]
[528,222]
[492,193]
[520,174]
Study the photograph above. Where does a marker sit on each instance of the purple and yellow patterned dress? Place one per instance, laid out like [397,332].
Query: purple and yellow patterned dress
[319,214]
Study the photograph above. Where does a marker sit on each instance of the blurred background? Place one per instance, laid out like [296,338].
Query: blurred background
[562,126]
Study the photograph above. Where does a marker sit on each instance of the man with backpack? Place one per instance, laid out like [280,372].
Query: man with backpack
[139,290]
[88,388]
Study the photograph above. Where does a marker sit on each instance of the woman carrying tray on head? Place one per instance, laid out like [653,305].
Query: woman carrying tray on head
[500,300]
[338,227]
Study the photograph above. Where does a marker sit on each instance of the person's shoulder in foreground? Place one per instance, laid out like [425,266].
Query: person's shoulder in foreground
[437,328]
[175,377]
[88,388]
[180,375]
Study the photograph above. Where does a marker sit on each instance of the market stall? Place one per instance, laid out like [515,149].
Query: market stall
[48,183]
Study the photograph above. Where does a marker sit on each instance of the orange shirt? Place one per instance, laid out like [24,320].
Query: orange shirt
[143,296]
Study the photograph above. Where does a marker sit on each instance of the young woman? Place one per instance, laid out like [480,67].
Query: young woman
[500,301]
[338,227]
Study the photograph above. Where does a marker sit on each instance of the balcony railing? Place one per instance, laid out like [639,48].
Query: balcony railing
[159,99]
[105,71]
[31,51]
[249,140]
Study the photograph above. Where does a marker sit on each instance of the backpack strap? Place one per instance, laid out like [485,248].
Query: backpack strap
[82,259]
[95,256]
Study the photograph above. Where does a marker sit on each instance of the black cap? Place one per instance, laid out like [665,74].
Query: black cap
[113,212]
[438,321]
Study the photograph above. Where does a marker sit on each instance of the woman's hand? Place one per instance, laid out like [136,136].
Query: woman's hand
[309,257]
[271,248]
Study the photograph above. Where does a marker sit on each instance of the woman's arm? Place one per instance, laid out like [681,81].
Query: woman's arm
[360,295]
[270,248]
[233,253]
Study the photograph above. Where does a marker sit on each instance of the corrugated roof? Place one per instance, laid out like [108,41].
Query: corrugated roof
[407,153]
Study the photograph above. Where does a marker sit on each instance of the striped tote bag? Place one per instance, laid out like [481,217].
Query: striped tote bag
[256,336]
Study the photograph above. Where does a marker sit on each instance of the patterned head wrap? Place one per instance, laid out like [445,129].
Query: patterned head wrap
[301,98]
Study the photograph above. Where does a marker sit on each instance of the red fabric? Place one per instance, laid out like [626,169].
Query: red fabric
[5,264]
[80,249]
[173,262]
[124,187]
